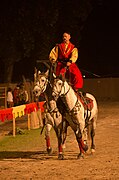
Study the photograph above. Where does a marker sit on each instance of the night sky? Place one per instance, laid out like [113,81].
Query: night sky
[100,41]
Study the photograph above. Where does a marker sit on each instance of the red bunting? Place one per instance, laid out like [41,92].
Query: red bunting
[41,106]
[30,108]
[6,114]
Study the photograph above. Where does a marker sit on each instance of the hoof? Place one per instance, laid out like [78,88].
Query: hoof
[49,151]
[61,157]
[85,148]
[80,156]
[92,151]
[63,146]
[93,147]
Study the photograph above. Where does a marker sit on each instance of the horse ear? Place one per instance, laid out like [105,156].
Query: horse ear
[47,73]
[61,77]
[54,75]
[39,72]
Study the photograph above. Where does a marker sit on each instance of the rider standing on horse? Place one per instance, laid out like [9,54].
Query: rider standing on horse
[66,54]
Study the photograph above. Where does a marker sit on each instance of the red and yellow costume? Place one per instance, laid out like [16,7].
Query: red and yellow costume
[63,53]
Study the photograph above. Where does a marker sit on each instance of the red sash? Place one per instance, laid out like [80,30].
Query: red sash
[65,53]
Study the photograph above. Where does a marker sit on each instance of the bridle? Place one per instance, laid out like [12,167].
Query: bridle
[42,88]
[63,97]
[58,93]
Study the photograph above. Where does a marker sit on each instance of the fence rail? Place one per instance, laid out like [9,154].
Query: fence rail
[103,88]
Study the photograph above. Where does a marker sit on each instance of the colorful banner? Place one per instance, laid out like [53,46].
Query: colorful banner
[18,111]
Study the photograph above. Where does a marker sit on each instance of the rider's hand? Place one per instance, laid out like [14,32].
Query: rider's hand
[53,61]
[68,63]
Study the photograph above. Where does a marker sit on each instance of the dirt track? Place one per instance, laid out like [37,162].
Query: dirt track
[103,165]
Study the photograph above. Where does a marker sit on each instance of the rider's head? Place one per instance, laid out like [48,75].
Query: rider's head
[66,37]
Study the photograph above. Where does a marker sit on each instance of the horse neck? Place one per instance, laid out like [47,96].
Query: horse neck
[48,94]
[69,96]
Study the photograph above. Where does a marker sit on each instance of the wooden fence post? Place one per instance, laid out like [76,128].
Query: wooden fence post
[29,121]
[14,125]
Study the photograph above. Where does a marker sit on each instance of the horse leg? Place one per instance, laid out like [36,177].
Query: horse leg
[65,125]
[47,137]
[91,135]
[82,146]
[85,135]
[59,137]
[92,143]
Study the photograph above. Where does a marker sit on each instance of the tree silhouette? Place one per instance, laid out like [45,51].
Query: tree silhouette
[29,29]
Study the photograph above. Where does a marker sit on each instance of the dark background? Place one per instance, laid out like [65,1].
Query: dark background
[100,40]
[96,38]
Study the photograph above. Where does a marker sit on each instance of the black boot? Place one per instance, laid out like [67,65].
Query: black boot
[82,96]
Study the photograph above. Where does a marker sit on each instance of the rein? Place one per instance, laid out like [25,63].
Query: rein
[63,97]
[58,94]
[73,110]
[64,91]
[51,110]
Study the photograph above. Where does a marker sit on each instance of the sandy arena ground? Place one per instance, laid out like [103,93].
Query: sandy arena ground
[103,165]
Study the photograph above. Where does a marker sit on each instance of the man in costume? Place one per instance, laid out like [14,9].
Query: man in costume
[66,54]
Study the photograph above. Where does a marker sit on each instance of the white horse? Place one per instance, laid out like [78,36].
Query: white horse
[81,116]
[53,118]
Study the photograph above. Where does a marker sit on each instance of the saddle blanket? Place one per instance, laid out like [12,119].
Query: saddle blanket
[87,102]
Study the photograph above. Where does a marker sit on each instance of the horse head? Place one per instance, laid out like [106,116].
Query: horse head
[60,86]
[41,83]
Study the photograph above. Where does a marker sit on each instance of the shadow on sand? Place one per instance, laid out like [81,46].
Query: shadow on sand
[26,155]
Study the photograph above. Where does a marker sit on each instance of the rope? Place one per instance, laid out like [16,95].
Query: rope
[96,75]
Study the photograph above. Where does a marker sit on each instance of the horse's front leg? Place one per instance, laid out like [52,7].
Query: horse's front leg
[65,125]
[92,144]
[60,149]
[82,146]
[47,137]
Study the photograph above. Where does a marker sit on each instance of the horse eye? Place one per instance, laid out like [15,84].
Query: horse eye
[42,80]
[60,84]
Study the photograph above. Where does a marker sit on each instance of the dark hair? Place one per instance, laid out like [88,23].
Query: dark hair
[67,32]
[9,89]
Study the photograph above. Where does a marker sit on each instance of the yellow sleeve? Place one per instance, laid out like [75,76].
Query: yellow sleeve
[53,56]
[74,55]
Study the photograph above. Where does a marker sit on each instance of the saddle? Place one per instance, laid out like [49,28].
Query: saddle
[86,101]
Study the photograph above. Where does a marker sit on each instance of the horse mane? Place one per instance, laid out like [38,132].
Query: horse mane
[42,74]
[61,77]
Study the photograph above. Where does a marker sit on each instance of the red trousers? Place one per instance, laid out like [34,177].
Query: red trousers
[72,73]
